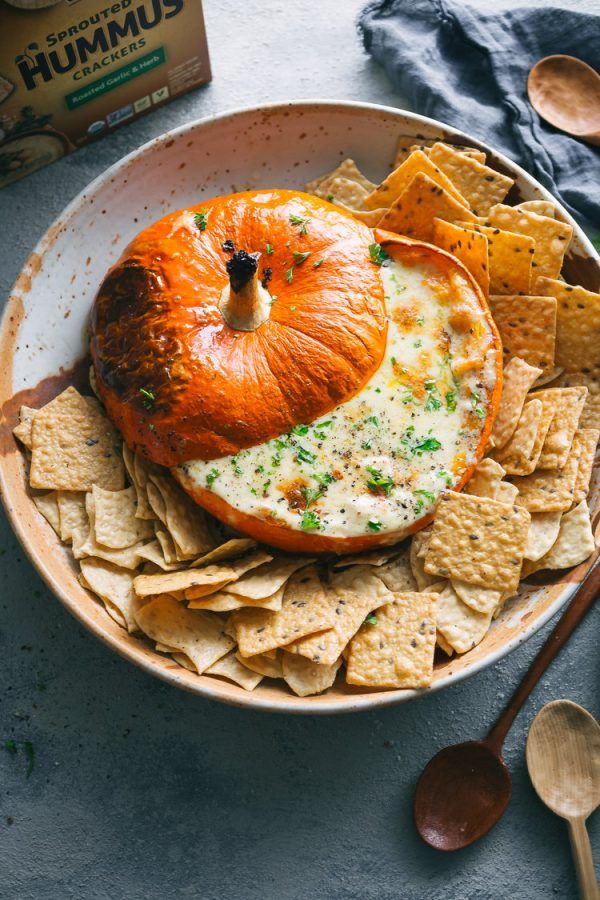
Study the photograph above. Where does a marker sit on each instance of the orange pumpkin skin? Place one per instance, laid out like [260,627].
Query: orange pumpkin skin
[182,384]
[270,532]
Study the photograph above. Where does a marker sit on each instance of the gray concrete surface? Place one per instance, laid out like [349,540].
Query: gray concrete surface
[141,792]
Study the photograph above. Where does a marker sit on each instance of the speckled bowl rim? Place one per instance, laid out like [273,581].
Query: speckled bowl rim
[134,649]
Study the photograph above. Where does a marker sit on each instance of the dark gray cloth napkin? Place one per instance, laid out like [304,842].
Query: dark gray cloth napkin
[468,68]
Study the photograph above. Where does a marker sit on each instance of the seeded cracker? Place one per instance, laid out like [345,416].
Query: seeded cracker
[114,586]
[414,211]
[577,341]
[407,143]
[584,445]
[263,664]
[515,456]
[527,326]
[397,574]
[460,625]
[346,169]
[74,446]
[305,610]
[199,635]
[231,668]
[551,238]
[397,181]
[519,376]
[347,193]
[305,677]
[352,595]
[468,246]
[541,207]
[465,151]
[548,490]
[509,256]
[563,425]
[481,186]
[477,540]
[23,429]
[397,650]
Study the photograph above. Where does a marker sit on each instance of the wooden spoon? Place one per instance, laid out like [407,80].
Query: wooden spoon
[566,92]
[464,789]
[563,758]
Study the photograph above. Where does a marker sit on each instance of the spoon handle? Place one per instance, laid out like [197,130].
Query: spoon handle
[582,601]
[584,862]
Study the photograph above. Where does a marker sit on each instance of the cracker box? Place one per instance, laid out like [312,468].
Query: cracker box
[73,70]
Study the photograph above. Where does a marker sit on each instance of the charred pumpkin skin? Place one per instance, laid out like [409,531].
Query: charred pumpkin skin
[179,382]
[270,532]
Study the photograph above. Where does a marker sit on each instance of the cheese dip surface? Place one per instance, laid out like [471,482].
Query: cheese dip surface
[377,462]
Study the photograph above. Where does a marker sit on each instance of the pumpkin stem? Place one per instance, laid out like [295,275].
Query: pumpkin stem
[245,304]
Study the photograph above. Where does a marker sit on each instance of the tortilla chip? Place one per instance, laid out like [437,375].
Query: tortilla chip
[305,610]
[477,540]
[352,595]
[485,479]
[305,677]
[185,520]
[551,238]
[263,664]
[414,211]
[518,379]
[541,207]
[345,192]
[407,144]
[115,524]
[23,430]
[367,558]
[229,550]
[238,566]
[221,601]
[443,644]
[527,326]
[397,650]
[575,541]
[466,151]
[543,531]
[509,258]
[211,579]
[481,186]
[568,404]
[368,217]
[506,493]
[397,573]
[346,169]
[268,578]
[584,445]
[152,552]
[515,457]
[577,341]
[418,551]
[468,246]
[47,505]
[167,544]
[74,446]
[548,490]
[72,512]
[140,472]
[114,586]
[398,181]
[231,668]
[199,635]
[461,626]
[481,599]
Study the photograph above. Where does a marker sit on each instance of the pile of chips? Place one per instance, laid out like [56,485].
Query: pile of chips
[220,605]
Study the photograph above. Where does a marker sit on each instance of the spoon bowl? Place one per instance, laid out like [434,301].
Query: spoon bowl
[565,92]
[461,794]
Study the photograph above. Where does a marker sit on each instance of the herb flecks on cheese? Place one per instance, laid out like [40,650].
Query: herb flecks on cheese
[379,461]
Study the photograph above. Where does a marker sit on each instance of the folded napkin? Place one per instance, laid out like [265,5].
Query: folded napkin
[468,68]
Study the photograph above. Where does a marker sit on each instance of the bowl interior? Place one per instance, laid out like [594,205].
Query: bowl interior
[44,326]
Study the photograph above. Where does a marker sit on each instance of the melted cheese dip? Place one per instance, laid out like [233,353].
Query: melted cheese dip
[377,463]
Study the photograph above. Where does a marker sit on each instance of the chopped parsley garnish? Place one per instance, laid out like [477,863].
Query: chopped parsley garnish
[366,445]
[372,420]
[371,618]
[432,403]
[377,254]
[310,521]
[292,309]
[254,492]
[298,220]
[300,429]
[374,525]
[407,398]
[393,360]
[379,482]
[317,263]
[426,494]
[269,249]
[211,477]
[266,486]
[451,401]
[201,220]
[289,275]
[311,495]
[276,460]
[299,258]
[478,410]
[149,398]
[420,320]
[151,426]
[330,197]
[323,478]
[304,456]
[418,344]
[237,469]
[426,446]
[446,476]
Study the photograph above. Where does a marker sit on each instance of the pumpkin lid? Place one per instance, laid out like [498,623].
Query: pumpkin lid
[226,324]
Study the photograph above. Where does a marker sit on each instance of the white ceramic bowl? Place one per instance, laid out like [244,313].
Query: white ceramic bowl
[43,331]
